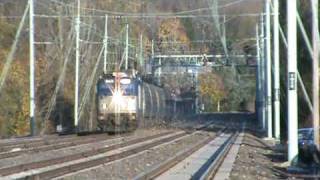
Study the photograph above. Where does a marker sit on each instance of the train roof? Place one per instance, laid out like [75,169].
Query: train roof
[122,74]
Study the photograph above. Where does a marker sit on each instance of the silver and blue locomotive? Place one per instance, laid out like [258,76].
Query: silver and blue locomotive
[117,102]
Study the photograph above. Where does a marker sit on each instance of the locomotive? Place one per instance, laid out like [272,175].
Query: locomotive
[118,102]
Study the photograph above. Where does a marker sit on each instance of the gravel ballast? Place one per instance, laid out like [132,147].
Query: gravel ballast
[257,160]
[39,156]
[142,162]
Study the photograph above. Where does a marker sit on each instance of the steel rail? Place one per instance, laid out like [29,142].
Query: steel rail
[60,145]
[31,143]
[221,155]
[39,144]
[44,163]
[157,171]
[18,141]
[103,160]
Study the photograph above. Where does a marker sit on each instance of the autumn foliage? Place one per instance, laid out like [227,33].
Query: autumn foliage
[170,35]
[211,89]
[172,30]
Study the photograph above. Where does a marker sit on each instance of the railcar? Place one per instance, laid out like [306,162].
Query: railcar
[118,102]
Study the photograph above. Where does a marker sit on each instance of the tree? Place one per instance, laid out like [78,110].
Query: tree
[211,89]
[172,30]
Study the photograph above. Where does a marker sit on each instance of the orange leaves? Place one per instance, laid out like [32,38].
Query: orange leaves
[211,87]
[14,113]
[173,30]
[18,96]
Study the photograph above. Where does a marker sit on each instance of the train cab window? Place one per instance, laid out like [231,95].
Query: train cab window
[129,89]
[104,89]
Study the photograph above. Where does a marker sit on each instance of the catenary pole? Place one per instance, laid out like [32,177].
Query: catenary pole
[263,74]
[292,80]
[141,54]
[127,46]
[105,43]
[32,69]
[276,70]
[315,79]
[152,48]
[76,101]
[197,94]
[268,69]
[258,79]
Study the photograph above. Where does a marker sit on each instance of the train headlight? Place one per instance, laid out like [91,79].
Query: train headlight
[117,97]
[125,81]
[132,104]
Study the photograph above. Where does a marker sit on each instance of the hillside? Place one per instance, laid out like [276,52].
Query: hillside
[54,24]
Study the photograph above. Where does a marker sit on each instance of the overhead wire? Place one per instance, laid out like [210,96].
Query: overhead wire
[231,4]
[151,16]
[300,81]
[126,13]
[122,14]
[70,18]
[180,14]
[53,98]
[61,77]
[90,83]
[13,49]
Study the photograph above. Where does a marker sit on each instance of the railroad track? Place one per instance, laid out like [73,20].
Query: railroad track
[55,145]
[63,165]
[25,141]
[209,170]
[16,146]
[52,168]
[206,171]
[203,161]
[170,163]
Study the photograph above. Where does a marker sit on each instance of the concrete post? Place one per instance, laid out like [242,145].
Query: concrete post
[32,69]
[76,98]
[315,79]
[268,69]
[276,70]
[292,80]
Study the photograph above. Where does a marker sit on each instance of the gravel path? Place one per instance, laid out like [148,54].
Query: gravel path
[35,157]
[256,160]
[130,167]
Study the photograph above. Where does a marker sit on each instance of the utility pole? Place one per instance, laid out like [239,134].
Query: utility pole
[292,80]
[276,69]
[197,94]
[77,68]
[105,43]
[127,46]
[268,68]
[315,77]
[152,48]
[32,69]
[263,74]
[141,53]
[159,71]
[258,79]
[224,34]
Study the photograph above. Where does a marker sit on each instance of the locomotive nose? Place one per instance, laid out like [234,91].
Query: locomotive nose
[117,98]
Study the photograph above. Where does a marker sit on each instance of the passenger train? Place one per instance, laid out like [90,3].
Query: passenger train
[124,102]
[118,102]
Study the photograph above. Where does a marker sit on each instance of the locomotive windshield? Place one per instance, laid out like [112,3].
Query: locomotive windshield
[129,89]
[104,89]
